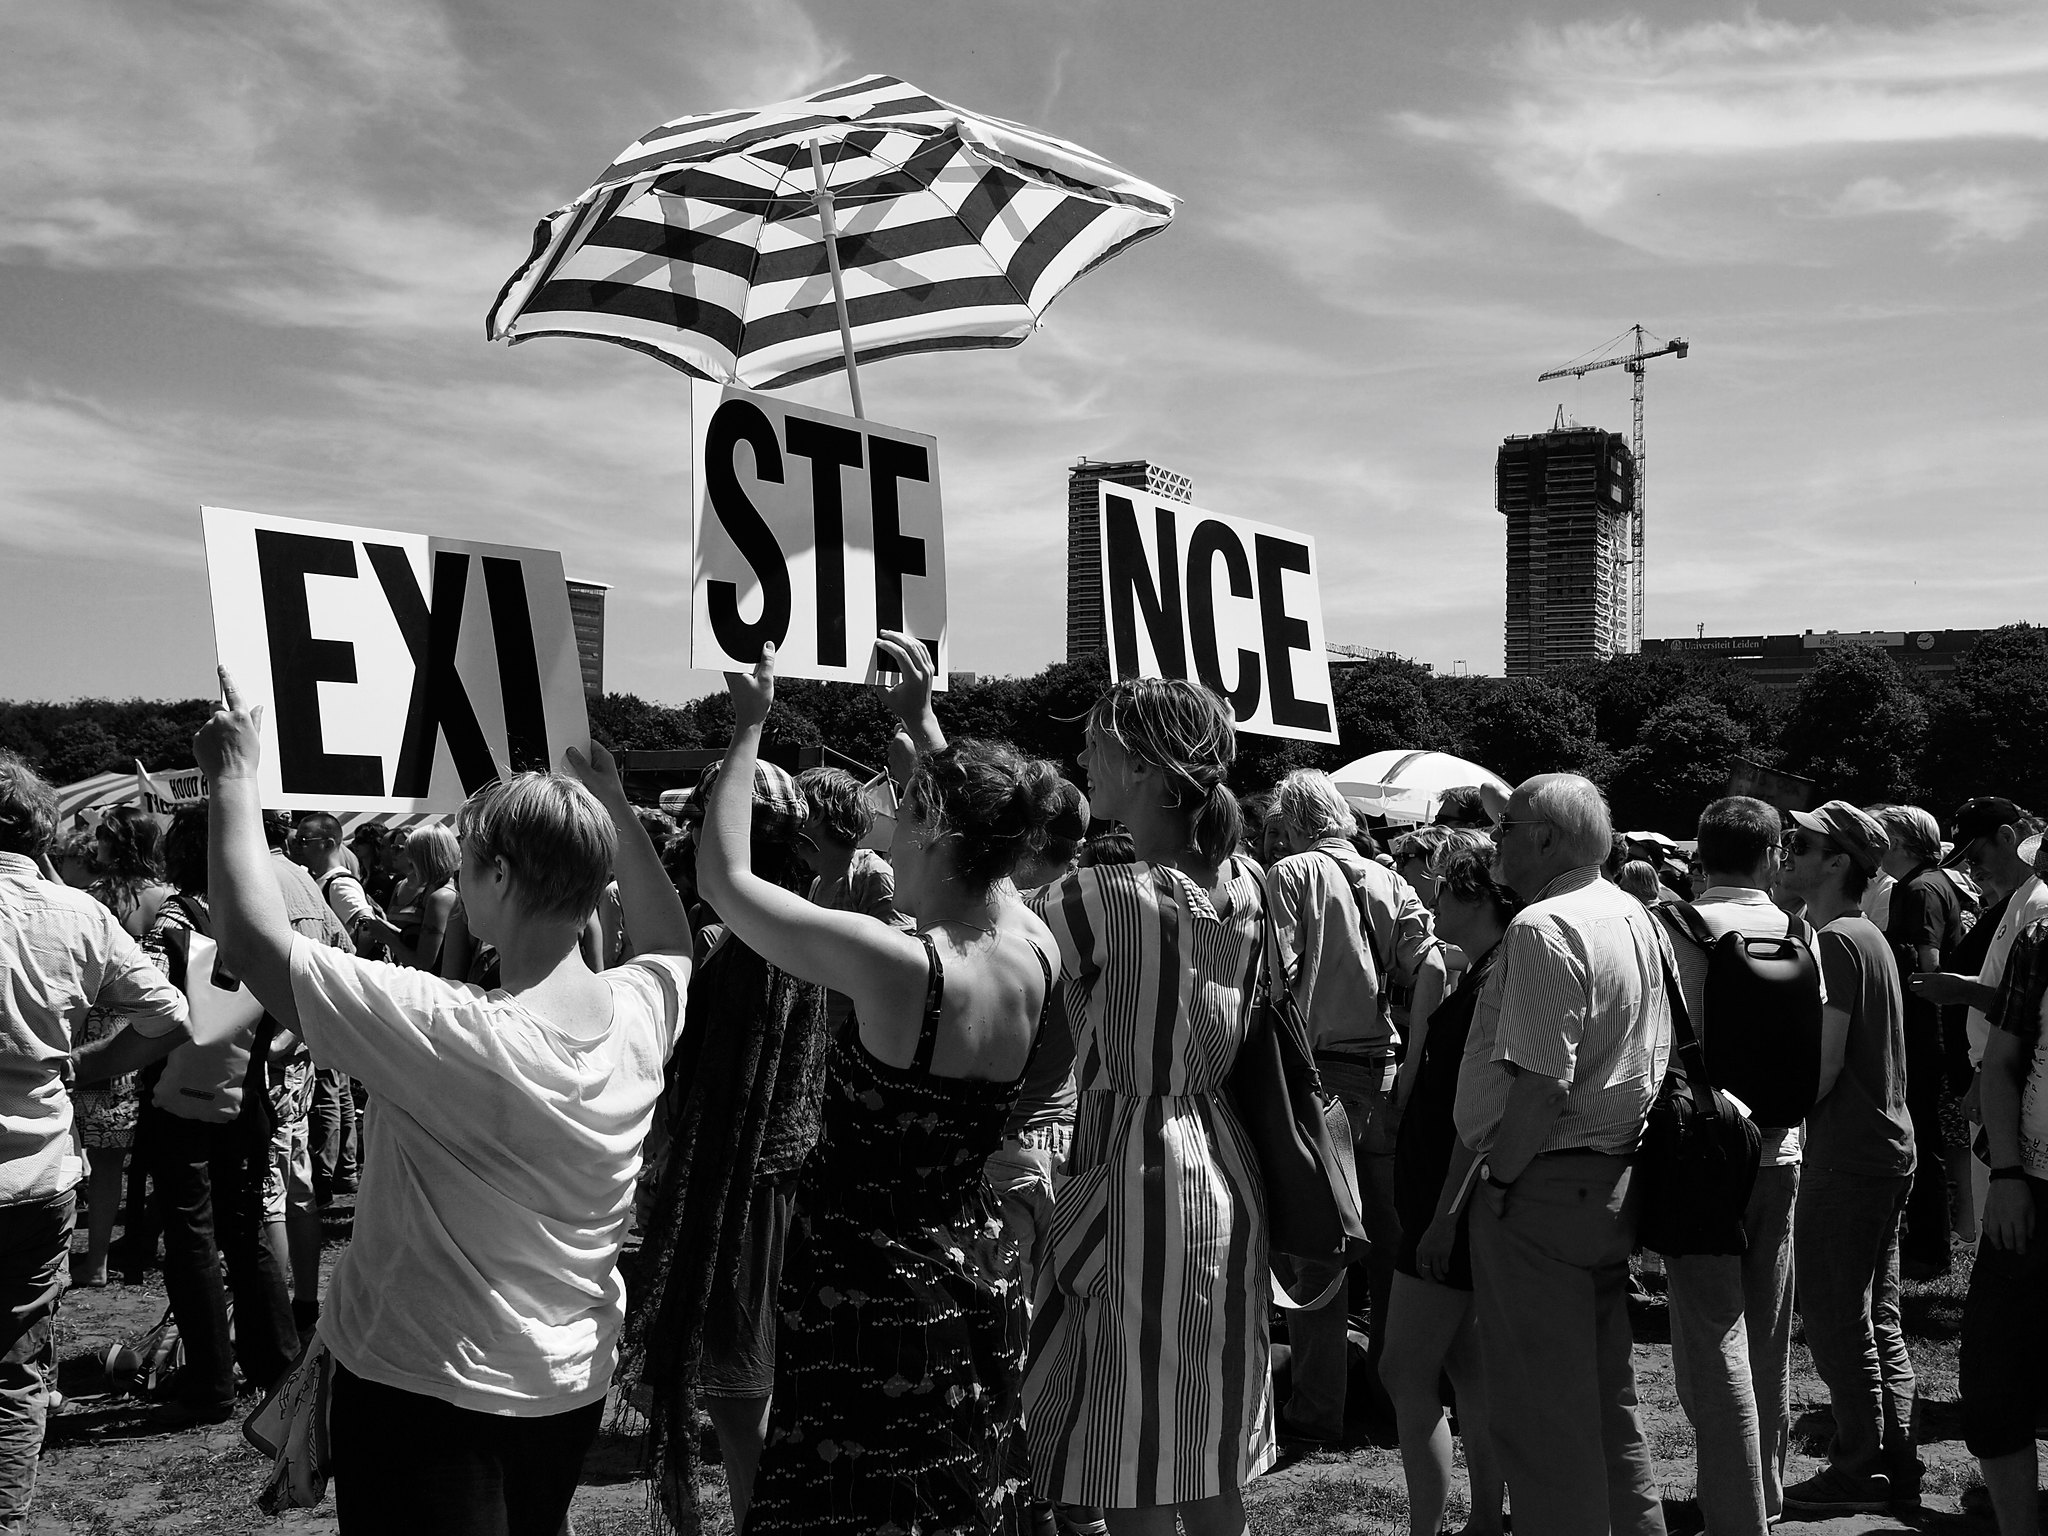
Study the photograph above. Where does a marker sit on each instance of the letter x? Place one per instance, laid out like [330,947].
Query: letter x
[440,704]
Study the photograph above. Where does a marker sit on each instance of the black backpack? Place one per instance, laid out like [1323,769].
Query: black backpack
[1763,1016]
[1698,1161]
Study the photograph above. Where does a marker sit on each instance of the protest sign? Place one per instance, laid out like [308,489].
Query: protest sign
[814,532]
[1229,602]
[402,672]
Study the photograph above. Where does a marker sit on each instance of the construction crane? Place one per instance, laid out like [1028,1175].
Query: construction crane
[1634,362]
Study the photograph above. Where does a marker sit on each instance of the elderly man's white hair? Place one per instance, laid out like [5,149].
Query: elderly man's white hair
[1575,810]
[1310,805]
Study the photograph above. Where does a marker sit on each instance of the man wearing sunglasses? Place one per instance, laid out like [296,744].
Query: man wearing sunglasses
[1859,1160]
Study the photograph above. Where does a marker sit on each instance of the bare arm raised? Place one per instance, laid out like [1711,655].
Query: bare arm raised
[881,968]
[652,911]
[248,910]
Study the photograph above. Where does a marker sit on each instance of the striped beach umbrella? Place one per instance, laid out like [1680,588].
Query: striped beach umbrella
[706,242]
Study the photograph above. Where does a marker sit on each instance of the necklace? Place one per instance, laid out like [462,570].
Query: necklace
[964,922]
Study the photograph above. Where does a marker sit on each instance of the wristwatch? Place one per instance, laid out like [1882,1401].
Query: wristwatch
[2014,1172]
[1486,1173]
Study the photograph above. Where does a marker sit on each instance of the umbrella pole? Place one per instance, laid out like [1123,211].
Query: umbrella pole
[823,198]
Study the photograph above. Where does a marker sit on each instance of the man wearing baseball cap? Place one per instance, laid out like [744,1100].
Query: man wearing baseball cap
[1859,1161]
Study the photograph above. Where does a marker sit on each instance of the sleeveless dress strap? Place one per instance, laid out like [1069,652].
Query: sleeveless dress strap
[934,999]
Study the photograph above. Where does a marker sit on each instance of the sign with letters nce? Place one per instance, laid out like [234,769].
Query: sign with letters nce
[814,532]
[402,672]
[1228,602]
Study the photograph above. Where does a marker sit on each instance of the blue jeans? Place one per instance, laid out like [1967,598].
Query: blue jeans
[35,1247]
[209,1186]
[1731,1343]
[1846,1244]
[333,1130]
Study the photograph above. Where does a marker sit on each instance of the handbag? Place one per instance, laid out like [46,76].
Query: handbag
[1299,1133]
[290,1427]
[1700,1153]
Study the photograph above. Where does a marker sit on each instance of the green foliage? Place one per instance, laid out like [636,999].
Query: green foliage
[68,742]
[1678,763]
[625,722]
[1988,727]
[1856,728]
[1656,731]
[1523,725]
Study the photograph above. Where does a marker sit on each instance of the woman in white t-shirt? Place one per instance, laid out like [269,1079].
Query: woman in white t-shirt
[474,1319]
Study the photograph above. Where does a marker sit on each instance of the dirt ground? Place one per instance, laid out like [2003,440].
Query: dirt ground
[105,1471]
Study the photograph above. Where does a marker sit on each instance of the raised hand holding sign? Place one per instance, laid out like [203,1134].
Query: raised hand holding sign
[396,682]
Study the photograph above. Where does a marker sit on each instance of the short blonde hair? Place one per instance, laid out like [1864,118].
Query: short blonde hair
[555,837]
[1912,829]
[434,853]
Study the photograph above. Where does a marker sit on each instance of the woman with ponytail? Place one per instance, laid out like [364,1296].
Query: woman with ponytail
[1148,1393]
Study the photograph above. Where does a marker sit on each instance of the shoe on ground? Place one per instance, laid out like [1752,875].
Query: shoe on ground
[1836,1491]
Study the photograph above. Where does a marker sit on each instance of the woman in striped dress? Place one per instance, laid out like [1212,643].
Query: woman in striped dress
[1148,1393]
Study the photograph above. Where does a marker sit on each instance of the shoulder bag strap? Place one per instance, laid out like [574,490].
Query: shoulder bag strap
[1365,931]
[1686,919]
[1684,1043]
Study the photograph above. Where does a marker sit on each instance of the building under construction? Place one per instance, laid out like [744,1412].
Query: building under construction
[1567,495]
[1085,632]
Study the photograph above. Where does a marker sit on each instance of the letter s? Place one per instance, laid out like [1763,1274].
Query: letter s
[733,423]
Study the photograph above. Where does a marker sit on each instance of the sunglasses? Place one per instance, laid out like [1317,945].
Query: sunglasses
[1799,843]
[1499,829]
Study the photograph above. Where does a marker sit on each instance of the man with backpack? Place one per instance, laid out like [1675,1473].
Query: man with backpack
[1349,931]
[1858,1168]
[1756,1007]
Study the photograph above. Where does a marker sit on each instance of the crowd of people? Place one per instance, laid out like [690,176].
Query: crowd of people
[917,1171]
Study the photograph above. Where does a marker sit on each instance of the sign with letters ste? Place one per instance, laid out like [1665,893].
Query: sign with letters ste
[1228,602]
[813,531]
[402,672]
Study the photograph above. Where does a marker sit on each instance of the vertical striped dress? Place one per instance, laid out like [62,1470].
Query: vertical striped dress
[1148,1381]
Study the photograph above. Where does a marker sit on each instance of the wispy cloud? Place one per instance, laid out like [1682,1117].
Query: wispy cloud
[1601,117]
[1973,210]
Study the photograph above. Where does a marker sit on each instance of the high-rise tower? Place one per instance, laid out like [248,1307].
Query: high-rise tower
[1567,495]
[1085,634]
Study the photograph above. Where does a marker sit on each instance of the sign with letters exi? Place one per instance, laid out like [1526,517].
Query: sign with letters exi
[813,531]
[1228,602]
[402,672]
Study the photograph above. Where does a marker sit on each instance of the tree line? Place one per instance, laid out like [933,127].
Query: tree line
[1659,733]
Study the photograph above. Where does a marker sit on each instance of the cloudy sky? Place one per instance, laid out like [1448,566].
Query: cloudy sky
[246,250]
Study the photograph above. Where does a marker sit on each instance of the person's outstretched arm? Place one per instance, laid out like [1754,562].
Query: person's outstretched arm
[241,891]
[652,911]
[881,968]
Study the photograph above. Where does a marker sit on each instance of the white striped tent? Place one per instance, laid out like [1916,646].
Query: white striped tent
[117,787]
[397,821]
[702,243]
[158,792]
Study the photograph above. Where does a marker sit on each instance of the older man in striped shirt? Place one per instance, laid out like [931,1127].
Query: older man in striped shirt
[1568,1045]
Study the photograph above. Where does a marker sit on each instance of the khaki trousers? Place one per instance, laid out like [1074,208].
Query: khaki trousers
[1550,1273]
